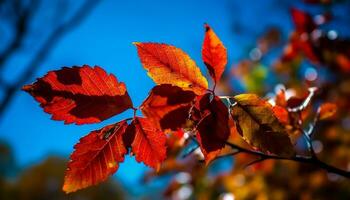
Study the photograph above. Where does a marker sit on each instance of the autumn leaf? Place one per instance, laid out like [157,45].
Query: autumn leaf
[281,99]
[168,106]
[148,143]
[303,21]
[327,111]
[256,122]
[167,64]
[214,54]
[297,47]
[96,157]
[80,95]
[213,128]
[281,113]
[343,62]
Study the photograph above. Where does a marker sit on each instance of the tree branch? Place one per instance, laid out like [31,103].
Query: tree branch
[313,160]
[47,47]
[21,29]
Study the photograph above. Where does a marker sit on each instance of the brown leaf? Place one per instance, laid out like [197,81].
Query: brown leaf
[259,126]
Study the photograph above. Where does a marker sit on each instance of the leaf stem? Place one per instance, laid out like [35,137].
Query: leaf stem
[214,87]
[135,110]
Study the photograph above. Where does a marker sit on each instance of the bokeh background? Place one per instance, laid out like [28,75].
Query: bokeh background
[37,36]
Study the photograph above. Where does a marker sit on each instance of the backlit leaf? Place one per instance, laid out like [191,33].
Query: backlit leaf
[168,106]
[80,95]
[147,142]
[256,122]
[167,64]
[214,54]
[96,157]
[281,113]
[213,129]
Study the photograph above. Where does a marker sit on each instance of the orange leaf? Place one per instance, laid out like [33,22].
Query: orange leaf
[167,64]
[80,95]
[214,54]
[147,142]
[96,157]
[343,61]
[327,111]
[281,99]
[213,129]
[168,106]
[281,114]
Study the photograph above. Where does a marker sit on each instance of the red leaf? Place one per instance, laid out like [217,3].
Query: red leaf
[213,129]
[147,142]
[281,113]
[80,95]
[298,46]
[96,157]
[303,21]
[343,62]
[281,99]
[308,50]
[168,106]
[214,54]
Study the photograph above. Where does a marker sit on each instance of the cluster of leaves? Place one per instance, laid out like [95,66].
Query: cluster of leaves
[180,108]
[283,179]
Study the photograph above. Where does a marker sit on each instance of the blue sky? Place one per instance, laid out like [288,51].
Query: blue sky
[105,39]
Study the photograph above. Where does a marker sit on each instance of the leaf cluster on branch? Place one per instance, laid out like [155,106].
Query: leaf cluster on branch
[181,107]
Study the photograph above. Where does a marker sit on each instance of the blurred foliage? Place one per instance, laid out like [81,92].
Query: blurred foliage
[314,55]
[44,181]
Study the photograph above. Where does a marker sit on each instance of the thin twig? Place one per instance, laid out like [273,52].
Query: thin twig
[306,102]
[47,47]
[21,30]
[190,152]
[261,159]
[226,155]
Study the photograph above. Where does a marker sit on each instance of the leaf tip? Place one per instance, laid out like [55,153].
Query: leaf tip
[68,188]
[136,43]
[207,27]
[157,168]
[27,88]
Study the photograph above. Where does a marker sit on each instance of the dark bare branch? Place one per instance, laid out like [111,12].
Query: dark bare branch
[21,29]
[44,51]
[297,158]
